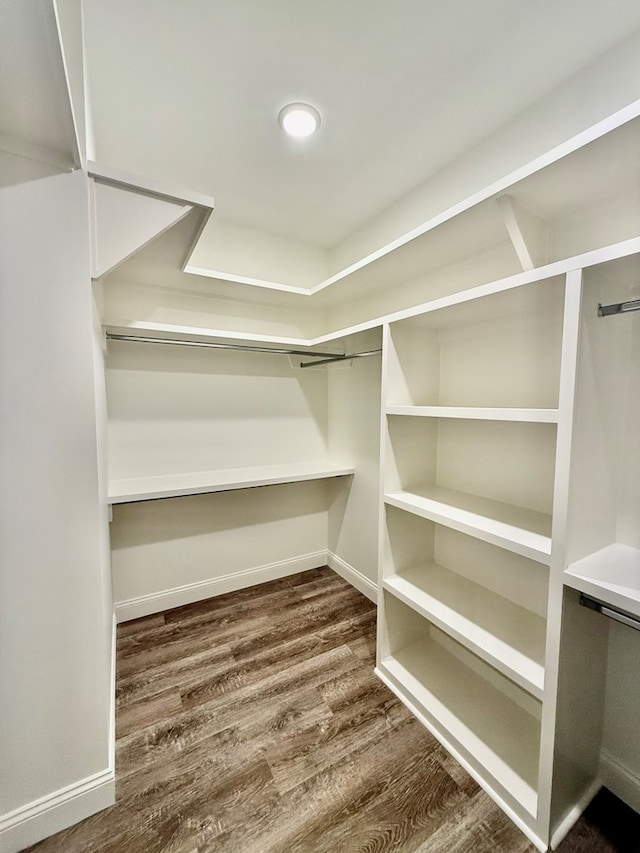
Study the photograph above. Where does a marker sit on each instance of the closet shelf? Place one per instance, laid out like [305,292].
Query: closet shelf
[505,635]
[611,575]
[203,482]
[519,530]
[545,416]
[143,328]
[462,709]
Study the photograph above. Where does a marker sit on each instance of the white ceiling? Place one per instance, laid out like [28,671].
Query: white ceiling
[190,91]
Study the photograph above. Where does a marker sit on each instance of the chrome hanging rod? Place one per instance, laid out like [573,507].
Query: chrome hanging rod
[345,357]
[112,336]
[612,612]
[618,308]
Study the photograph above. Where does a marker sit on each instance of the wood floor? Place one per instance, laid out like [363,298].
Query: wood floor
[253,723]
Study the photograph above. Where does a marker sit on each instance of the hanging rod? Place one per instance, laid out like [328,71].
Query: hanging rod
[344,357]
[611,612]
[618,308]
[112,336]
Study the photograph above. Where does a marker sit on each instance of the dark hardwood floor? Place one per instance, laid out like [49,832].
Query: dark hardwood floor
[253,723]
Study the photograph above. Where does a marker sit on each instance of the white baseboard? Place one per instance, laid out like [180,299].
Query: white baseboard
[621,780]
[353,576]
[57,811]
[50,814]
[155,602]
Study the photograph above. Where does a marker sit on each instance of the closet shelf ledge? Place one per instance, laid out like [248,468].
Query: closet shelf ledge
[611,575]
[515,528]
[483,413]
[204,482]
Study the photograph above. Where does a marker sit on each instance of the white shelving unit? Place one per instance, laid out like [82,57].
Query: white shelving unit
[477,416]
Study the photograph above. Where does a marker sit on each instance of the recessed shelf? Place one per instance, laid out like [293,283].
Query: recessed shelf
[486,413]
[203,482]
[520,530]
[612,575]
[496,734]
[507,636]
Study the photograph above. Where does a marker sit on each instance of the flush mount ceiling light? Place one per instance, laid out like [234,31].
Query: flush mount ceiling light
[299,120]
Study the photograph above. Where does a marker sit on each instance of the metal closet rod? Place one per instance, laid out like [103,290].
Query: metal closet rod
[344,357]
[618,308]
[326,357]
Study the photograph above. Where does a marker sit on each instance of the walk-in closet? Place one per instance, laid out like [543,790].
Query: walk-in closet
[387,394]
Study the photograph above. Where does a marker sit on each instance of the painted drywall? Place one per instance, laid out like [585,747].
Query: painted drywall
[55,607]
[180,409]
[354,433]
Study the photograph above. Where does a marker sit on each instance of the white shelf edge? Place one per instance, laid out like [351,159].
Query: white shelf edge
[507,659]
[224,480]
[611,575]
[544,416]
[519,540]
[447,727]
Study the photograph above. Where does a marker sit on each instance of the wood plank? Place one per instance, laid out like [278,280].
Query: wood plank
[303,749]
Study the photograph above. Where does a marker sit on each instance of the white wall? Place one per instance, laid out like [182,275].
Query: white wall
[55,604]
[354,433]
[179,410]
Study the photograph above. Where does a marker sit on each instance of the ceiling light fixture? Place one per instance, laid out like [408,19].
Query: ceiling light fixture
[299,120]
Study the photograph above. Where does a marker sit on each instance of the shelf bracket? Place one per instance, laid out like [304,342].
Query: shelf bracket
[513,219]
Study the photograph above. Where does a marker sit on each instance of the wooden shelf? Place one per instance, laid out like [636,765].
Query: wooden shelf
[465,710]
[545,416]
[520,530]
[505,635]
[203,482]
[611,575]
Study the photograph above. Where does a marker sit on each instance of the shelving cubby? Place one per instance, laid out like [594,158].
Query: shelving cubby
[491,601]
[487,721]
[604,540]
[493,479]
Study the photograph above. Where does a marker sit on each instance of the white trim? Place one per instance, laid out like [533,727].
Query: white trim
[112,699]
[52,813]
[117,177]
[353,576]
[574,813]
[78,132]
[621,780]
[246,279]
[156,602]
